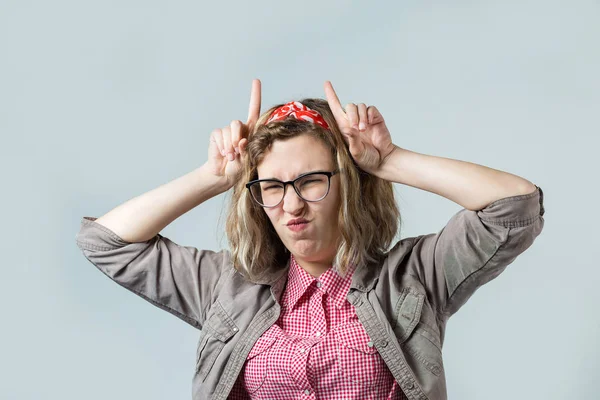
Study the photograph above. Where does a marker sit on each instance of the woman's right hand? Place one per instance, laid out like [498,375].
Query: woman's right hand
[227,148]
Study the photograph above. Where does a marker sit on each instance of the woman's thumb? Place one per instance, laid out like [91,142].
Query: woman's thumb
[242,146]
[354,145]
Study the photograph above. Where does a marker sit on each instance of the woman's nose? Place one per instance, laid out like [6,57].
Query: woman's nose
[291,201]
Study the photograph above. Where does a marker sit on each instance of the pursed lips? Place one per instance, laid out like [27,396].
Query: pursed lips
[297,222]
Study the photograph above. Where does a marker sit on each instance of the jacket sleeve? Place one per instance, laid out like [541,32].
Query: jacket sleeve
[475,247]
[178,279]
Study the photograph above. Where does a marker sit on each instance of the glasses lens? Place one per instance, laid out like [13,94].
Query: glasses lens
[313,187]
[267,193]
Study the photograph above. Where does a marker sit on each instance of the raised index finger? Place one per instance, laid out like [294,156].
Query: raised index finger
[254,108]
[334,102]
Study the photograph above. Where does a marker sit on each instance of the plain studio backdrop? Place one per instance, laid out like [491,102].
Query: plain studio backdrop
[101,101]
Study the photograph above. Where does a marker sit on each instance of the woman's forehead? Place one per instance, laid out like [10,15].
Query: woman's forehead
[287,159]
[292,169]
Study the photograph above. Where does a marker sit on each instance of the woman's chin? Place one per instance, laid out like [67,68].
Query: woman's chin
[304,248]
[309,250]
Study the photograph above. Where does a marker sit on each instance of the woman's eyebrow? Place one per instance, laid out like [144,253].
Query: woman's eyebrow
[303,173]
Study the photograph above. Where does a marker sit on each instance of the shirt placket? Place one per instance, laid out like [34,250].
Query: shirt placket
[317,328]
[316,309]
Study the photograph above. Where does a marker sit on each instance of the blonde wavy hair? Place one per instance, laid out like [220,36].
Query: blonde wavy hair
[368,217]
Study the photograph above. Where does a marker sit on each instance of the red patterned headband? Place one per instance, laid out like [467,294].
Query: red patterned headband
[298,111]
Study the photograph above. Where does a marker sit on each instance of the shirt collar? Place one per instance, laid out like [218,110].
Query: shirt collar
[299,281]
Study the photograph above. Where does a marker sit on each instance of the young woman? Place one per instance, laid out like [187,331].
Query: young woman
[310,302]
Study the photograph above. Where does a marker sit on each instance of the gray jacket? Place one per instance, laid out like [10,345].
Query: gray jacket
[403,304]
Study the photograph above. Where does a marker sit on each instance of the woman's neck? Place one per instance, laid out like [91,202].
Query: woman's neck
[314,268]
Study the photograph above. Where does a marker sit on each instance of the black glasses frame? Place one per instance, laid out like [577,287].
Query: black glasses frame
[293,183]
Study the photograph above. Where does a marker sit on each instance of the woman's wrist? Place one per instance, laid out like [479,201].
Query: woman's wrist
[212,182]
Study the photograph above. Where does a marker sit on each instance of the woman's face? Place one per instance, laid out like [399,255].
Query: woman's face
[286,160]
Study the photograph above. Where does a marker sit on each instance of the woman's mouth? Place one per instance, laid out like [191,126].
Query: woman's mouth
[297,227]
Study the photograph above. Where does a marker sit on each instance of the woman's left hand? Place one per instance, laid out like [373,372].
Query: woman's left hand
[364,130]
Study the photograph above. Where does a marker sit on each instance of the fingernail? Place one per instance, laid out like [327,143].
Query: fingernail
[361,126]
[237,150]
[230,156]
[355,126]
[223,153]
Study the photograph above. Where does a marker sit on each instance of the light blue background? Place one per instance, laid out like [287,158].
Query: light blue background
[101,101]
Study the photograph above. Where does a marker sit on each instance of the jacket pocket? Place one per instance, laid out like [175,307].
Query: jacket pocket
[407,313]
[420,344]
[217,330]
[357,358]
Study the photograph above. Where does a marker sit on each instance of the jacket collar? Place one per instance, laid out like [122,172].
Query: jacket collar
[365,276]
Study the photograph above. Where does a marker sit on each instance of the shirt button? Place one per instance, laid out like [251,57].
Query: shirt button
[319,284]
[307,391]
[370,344]
[383,343]
[235,329]
[410,386]
[302,350]
[318,334]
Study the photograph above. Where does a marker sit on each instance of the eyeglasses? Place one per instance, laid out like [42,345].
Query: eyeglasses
[312,186]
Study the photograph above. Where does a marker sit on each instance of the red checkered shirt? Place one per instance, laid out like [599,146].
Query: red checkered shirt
[317,349]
